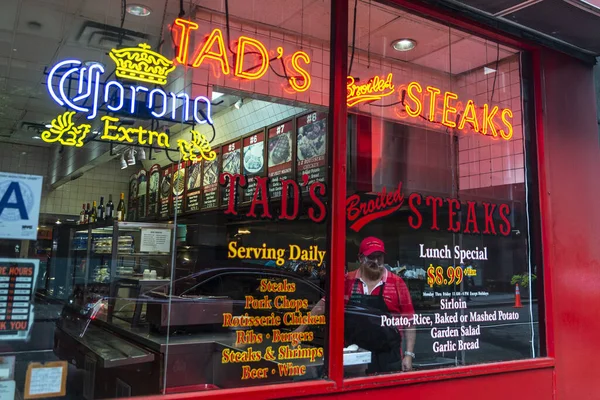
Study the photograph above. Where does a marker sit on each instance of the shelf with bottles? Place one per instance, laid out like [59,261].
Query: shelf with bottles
[100,213]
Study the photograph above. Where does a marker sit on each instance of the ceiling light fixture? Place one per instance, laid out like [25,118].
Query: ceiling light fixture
[404,44]
[48,126]
[238,104]
[141,153]
[131,158]
[123,162]
[216,95]
[36,137]
[138,10]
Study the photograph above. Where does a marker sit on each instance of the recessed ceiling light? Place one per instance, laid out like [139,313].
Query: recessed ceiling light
[36,137]
[138,10]
[215,95]
[404,44]
[48,126]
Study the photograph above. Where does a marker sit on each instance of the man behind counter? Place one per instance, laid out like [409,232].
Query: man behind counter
[372,286]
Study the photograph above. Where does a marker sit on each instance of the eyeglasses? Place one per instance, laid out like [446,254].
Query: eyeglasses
[375,256]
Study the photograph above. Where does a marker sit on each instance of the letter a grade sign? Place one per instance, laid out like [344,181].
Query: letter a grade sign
[20,197]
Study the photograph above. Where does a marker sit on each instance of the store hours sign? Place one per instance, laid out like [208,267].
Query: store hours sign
[20,197]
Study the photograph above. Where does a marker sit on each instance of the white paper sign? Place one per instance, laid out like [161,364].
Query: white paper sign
[7,390]
[45,381]
[156,241]
[20,197]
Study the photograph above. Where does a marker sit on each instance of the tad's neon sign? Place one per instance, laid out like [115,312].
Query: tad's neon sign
[214,49]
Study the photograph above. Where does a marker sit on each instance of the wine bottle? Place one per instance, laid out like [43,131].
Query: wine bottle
[101,209]
[82,215]
[121,208]
[87,214]
[110,208]
[93,213]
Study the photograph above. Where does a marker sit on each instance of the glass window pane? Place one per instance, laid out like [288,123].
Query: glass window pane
[438,244]
[177,155]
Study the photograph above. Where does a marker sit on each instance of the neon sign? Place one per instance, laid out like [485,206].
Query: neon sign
[476,218]
[214,49]
[375,89]
[199,148]
[453,115]
[142,64]
[138,64]
[64,131]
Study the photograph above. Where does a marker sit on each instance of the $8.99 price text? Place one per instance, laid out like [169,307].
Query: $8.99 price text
[439,276]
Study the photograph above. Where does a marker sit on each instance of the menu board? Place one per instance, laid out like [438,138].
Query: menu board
[165,192]
[210,183]
[154,182]
[17,288]
[193,179]
[230,162]
[254,160]
[312,147]
[142,187]
[280,156]
[178,186]
[132,203]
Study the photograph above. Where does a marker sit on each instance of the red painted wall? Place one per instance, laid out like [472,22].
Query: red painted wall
[528,385]
[571,168]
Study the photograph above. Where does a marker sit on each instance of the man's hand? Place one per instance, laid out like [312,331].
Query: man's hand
[407,363]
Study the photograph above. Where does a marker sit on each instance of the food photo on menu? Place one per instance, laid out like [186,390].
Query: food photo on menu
[194,176]
[280,149]
[231,162]
[179,182]
[254,158]
[312,140]
[210,172]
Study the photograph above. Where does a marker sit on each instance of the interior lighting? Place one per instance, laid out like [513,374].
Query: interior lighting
[216,95]
[141,153]
[138,10]
[123,162]
[36,137]
[404,44]
[238,104]
[131,158]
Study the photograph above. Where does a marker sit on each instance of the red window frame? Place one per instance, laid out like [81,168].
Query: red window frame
[335,382]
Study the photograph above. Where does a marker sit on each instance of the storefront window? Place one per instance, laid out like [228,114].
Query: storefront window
[439,270]
[177,159]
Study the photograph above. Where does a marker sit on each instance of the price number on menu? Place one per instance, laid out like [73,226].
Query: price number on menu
[253,139]
[311,118]
[451,276]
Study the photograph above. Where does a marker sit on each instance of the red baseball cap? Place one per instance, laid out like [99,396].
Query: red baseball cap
[370,245]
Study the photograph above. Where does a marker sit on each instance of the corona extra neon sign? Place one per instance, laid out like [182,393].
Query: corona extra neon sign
[79,87]
[214,50]
[64,131]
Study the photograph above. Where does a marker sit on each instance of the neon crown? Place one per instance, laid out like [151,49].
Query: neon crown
[142,64]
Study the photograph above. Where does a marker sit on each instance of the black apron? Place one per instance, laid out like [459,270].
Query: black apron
[387,360]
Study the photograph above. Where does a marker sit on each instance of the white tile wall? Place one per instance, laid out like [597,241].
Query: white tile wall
[100,181]
[67,199]
[233,123]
